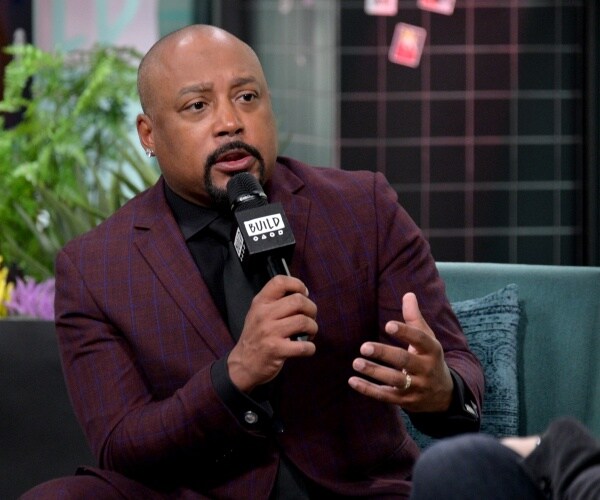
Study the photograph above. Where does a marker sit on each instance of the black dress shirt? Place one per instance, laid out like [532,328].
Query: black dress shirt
[254,411]
[209,253]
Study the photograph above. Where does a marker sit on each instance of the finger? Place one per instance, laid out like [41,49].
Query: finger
[288,306]
[415,331]
[305,348]
[289,315]
[412,314]
[298,304]
[297,325]
[281,285]
[383,393]
[384,375]
[393,356]
[418,341]
[410,309]
[283,296]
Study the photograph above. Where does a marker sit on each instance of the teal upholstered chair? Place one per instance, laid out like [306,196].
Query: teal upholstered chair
[553,337]
[557,339]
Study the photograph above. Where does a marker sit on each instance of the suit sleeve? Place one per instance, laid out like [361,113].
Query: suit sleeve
[406,264]
[130,428]
[566,464]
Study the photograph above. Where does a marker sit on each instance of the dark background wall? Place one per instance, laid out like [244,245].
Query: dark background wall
[485,141]
[492,142]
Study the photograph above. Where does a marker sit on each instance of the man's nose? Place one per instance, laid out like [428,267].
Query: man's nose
[227,120]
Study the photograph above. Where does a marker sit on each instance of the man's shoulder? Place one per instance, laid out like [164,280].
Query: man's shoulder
[117,225]
[303,169]
[323,178]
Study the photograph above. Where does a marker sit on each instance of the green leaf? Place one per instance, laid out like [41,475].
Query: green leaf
[72,154]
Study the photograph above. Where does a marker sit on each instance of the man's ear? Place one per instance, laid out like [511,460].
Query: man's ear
[144,129]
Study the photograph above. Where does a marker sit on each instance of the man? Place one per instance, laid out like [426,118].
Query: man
[563,463]
[176,404]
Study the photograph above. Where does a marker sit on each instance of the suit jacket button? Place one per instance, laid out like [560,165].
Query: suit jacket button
[250,417]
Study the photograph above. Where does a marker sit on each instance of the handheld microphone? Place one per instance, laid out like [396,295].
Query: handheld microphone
[263,238]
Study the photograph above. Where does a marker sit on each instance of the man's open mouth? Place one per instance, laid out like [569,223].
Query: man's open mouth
[232,156]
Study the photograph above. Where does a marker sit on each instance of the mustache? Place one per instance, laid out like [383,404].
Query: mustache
[231,146]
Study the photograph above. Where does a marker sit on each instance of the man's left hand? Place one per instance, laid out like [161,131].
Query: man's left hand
[417,378]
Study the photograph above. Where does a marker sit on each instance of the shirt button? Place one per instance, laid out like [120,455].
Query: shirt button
[278,426]
[250,417]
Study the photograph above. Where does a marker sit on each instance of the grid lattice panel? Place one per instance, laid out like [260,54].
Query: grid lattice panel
[483,141]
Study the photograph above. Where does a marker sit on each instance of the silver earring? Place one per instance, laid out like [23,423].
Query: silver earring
[149,153]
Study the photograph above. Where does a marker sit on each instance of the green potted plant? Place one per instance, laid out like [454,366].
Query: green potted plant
[71,159]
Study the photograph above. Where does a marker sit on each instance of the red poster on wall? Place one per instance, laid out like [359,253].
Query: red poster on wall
[407,45]
[445,7]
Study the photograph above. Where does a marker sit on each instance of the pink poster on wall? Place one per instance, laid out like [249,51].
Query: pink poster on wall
[76,24]
[407,45]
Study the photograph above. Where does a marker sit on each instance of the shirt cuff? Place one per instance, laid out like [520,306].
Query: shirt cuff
[254,415]
[462,415]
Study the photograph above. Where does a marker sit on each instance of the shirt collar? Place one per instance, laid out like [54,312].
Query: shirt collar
[191,218]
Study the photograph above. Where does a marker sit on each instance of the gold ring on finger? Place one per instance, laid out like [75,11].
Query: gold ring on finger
[408,380]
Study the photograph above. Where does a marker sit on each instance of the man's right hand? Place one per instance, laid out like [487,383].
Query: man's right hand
[278,312]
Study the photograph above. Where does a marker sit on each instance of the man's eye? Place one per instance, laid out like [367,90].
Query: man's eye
[248,97]
[197,105]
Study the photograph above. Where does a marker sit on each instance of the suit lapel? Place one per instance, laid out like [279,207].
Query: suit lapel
[284,188]
[161,244]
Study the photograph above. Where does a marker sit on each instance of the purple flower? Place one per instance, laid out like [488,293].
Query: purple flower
[32,299]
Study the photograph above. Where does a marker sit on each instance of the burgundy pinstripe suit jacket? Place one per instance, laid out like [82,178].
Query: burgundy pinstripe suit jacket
[138,332]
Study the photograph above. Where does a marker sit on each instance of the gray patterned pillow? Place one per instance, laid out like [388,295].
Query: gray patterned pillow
[490,324]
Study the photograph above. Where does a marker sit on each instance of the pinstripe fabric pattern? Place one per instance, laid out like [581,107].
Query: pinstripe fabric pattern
[138,333]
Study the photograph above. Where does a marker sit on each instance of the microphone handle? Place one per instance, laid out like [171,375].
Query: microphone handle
[275,266]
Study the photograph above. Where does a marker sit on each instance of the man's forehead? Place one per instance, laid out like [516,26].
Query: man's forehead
[192,49]
[198,58]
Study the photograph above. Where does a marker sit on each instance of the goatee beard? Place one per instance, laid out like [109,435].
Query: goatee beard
[219,198]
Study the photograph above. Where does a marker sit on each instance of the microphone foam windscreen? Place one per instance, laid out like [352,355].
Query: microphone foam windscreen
[244,192]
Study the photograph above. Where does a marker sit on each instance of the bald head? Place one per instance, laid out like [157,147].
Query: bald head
[151,64]
[207,112]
